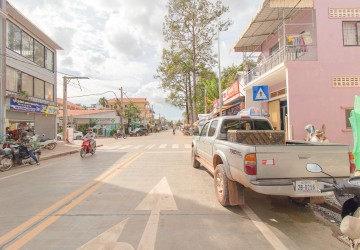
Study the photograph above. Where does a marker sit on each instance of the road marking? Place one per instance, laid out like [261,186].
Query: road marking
[265,230]
[187,145]
[138,146]
[175,146]
[108,239]
[150,146]
[75,197]
[163,146]
[159,198]
[126,146]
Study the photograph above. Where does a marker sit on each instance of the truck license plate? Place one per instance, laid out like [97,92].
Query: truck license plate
[305,186]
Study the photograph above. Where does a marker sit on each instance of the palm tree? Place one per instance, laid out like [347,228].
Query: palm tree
[103,102]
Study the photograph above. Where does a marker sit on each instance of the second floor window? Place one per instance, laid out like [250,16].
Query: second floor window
[22,43]
[351,33]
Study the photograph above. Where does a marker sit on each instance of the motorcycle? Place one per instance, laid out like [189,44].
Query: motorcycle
[314,135]
[12,155]
[350,212]
[117,135]
[47,143]
[86,148]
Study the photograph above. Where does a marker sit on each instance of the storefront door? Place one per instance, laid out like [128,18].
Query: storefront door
[274,112]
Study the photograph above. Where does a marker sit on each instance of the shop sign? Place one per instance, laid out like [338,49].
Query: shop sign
[216,103]
[52,110]
[231,93]
[104,121]
[27,106]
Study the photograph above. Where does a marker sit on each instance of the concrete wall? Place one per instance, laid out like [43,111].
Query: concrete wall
[45,124]
[312,97]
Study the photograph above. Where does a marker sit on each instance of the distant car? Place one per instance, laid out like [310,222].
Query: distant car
[139,132]
[78,135]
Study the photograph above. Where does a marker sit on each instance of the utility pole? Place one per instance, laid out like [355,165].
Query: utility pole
[205,111]
[121,111]
[219,83]
[66,81]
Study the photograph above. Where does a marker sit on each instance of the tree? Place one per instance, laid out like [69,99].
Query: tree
[174,74]
[103,102]
[190,27]
[132,111]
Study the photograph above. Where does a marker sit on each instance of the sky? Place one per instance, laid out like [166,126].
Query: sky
[119,45]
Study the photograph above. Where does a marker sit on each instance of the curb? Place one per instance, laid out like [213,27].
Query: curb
[63,154]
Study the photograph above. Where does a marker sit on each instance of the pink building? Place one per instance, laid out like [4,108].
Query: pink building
[308,53]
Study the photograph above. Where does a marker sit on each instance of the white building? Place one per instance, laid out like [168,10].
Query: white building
[28,80]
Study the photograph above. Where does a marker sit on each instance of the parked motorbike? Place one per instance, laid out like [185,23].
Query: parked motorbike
[44,142]
[11,155]
[314,135]
[350,213]
[86,148]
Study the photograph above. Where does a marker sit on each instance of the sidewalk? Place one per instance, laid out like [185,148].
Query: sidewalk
[62,149]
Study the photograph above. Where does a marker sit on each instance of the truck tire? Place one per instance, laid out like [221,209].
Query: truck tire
[221,185]
[194,162]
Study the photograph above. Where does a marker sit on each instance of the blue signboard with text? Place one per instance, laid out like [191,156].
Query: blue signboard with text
[27,106]
[261,93]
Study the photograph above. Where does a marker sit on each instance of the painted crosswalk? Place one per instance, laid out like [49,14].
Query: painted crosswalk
[142,146]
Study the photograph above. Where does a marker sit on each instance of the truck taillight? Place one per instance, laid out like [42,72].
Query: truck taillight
[250,164]
[352,163]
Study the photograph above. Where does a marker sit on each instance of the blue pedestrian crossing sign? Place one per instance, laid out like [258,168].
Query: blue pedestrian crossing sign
[261,93]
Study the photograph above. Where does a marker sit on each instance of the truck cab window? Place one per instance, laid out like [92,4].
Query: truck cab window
[205,129]
[262,125]
[212,128]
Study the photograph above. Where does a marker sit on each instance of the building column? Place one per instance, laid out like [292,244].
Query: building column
[3,70]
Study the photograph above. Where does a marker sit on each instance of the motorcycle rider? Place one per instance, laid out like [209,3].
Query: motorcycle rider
[119,132]
[25,144]
[91,136]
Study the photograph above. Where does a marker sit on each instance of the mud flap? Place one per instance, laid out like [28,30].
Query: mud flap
[236,193]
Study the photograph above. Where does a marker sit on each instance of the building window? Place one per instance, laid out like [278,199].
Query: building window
[27,84]
[13,41]
[274,49]
[347,116]
[49,91]
[39,54]
[27,49]
[351,33]
[13,79]
[49,59]
[25,45]
[39,88]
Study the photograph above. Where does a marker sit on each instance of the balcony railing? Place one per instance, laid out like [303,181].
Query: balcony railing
[289,53]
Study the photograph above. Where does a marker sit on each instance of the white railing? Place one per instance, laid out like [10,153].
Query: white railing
[289,53]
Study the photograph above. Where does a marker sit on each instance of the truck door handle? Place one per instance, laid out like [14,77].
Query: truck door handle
[304,157]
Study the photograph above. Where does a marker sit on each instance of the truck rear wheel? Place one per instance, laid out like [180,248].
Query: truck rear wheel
[194,162]
[221,185]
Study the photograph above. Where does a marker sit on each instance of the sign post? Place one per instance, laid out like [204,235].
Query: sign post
[260,93]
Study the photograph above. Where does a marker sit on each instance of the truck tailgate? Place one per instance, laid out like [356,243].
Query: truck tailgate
[289,161]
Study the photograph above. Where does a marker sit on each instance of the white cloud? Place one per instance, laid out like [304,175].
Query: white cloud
[120,43]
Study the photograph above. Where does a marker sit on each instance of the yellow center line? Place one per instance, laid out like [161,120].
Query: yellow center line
[103,177]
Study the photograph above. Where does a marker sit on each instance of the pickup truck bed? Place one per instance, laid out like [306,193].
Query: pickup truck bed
[271,165]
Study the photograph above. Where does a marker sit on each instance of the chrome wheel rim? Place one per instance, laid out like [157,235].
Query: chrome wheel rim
[220,185]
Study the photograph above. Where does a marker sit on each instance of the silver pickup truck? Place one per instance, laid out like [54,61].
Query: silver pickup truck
[265,167]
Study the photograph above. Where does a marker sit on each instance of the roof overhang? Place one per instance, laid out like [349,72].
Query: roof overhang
[21,19]
[266,21]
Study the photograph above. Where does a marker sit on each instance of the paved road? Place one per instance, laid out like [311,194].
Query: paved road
[142,193]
